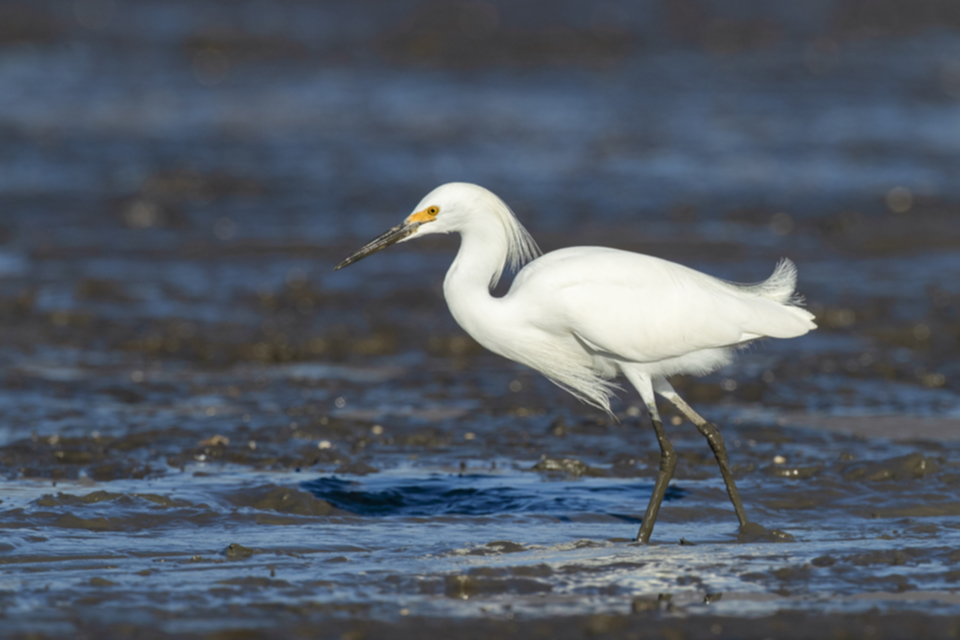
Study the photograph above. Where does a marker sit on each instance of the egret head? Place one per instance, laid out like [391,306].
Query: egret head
[443,210]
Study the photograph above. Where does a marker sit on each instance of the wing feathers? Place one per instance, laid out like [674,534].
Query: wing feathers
[643,309]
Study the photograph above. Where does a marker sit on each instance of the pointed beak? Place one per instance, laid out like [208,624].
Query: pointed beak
[393,236]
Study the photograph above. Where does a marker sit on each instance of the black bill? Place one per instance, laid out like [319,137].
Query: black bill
[393,236]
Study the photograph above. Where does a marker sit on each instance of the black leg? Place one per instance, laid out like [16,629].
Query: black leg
[715,440]
[668,462]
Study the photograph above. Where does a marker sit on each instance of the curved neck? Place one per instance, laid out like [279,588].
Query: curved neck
[482,254]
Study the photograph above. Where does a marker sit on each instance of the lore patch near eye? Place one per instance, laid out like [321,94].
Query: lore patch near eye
[426,215]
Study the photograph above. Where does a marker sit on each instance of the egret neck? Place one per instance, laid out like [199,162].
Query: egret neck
[482,254]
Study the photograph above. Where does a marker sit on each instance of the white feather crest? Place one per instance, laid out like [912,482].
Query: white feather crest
[521,247]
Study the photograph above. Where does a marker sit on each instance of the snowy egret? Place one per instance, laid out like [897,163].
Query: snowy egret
[584,315]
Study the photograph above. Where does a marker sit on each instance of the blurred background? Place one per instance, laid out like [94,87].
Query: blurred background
[179,177]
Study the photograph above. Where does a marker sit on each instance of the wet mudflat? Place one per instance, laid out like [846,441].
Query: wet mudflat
[204,432]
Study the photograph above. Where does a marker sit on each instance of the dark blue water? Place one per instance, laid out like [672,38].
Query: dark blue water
[468,495]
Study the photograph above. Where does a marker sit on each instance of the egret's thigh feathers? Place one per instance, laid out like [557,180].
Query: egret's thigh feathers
[564,361]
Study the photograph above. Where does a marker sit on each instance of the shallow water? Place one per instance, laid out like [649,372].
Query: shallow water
[204,429]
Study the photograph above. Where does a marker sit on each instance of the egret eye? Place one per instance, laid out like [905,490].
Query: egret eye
[433,211]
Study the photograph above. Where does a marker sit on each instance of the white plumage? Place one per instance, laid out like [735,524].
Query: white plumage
[584,315]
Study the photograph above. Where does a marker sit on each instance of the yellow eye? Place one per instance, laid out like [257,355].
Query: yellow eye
[433,211]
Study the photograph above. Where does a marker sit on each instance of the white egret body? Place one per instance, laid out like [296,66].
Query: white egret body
[583,315]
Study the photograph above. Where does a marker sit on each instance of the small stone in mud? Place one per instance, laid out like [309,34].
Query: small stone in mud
[497,546]
[102,582]
[925,529]
[795,472]
[162,501]
[505,546]
[914,465]
[792,573]
[463,586]
[753,532]
[689,579]
[892,557]
[823,561]
[558,427]
[532,570]
[284,500]
[67,499]
[47,501]
[569,466]
[70,521]
[236,551]
[642,605]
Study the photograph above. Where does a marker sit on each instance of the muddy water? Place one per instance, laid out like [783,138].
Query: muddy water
[203,430]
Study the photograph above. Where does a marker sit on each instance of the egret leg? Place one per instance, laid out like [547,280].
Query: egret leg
[668,458]
[714,439]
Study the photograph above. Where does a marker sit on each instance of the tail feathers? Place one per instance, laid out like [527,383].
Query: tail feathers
[785,319]
[780,286]
[804,315]
[770,319]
